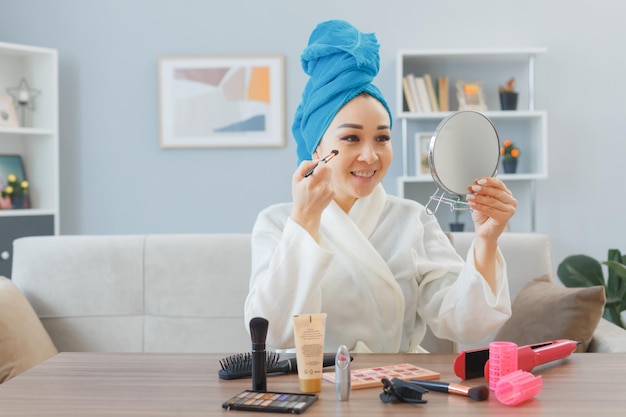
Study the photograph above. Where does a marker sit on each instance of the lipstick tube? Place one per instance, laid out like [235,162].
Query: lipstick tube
[342,373]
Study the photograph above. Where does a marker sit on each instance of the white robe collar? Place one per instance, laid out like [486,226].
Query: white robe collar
[352,232]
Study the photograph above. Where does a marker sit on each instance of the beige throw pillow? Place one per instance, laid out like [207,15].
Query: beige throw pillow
[545,311]
[23,340]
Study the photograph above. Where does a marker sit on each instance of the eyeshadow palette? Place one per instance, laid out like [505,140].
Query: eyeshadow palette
[272,402]
[371,377]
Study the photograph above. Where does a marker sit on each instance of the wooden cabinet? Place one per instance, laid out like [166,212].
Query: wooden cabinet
[14,227]
[36,140]
[526,127]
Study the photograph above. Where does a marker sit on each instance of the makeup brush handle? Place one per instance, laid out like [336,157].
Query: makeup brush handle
[329,360]
[259,370]
[431,385]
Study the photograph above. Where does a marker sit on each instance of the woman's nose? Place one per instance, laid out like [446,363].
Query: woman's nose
[368,154]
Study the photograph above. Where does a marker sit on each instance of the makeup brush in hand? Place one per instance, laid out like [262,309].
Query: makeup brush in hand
[479,393]
[325,159]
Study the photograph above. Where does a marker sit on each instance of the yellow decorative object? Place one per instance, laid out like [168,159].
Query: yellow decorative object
[14,194]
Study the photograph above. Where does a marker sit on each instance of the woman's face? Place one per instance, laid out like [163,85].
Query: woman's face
[361,133]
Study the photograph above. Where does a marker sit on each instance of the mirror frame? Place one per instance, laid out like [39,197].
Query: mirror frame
[476,171]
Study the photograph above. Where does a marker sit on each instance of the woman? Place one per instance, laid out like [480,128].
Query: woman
[379,266]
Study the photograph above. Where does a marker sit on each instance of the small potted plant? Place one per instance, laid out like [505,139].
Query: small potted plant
[14,194]
[510,153]
[508,95]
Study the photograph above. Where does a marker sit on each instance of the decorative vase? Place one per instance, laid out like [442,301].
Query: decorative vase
[18,202]
[508,100]
[509,166]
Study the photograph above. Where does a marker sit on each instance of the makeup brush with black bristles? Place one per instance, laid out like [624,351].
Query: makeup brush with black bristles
[479,393]
[258,334]
[239,366]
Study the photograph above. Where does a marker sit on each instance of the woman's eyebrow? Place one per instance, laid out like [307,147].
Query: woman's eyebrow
[350,126]
[358,126]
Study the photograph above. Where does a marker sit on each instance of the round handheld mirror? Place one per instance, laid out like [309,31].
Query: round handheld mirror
[465,146]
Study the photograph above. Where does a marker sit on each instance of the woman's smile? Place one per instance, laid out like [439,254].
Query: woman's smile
[363,174]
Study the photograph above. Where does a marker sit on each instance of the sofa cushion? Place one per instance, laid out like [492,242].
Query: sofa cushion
[88,291]
[608,338]
[23,341]
[195,289]
[545,311]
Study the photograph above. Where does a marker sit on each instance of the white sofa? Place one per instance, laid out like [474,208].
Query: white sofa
[185,293]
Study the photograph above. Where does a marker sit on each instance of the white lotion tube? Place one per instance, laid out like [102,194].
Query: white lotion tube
[309,330]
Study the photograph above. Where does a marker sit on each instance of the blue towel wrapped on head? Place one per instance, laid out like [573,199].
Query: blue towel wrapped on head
[342,63]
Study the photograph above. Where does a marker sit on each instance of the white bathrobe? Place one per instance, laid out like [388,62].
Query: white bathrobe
[380,273]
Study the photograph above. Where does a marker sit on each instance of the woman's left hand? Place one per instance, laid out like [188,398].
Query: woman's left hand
[492,205]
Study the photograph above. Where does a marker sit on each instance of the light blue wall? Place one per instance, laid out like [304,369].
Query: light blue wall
[116,179]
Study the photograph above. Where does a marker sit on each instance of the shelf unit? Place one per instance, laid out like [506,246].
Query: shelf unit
[36,140]
[526,126]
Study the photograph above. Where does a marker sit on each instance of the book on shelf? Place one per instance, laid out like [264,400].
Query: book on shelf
[422,93]
[443,90]
[426,93]
[431,92]
[414,94]
[408,96]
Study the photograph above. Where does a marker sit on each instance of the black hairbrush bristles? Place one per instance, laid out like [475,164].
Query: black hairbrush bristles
[240,365]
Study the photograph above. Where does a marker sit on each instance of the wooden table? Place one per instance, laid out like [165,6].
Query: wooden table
[178,385]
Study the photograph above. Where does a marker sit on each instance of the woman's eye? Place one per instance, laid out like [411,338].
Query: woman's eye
[383,138]
[351,138]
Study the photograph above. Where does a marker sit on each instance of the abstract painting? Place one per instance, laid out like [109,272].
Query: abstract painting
[221,101]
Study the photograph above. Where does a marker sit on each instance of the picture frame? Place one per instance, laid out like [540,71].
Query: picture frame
[471,95]
[221,101]
[11,164]
[422,146]
[8,117]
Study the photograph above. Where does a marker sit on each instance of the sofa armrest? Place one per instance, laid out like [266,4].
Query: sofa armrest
[608,338]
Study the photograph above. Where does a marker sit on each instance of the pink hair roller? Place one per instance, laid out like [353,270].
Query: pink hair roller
[517,387]
[502,361]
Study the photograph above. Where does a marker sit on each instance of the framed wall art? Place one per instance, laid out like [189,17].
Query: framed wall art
[11,164]
[221,101]
[422,145]
[8,118]
[470,95]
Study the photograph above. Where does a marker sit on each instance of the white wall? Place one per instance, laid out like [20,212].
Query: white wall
[116,179]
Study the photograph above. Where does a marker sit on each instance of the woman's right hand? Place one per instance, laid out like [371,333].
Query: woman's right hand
[311,195]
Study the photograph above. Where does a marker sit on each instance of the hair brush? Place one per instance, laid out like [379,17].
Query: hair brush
[240,365]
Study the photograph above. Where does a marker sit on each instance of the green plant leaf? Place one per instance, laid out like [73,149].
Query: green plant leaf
[617,277]
[580,271]
[612,313]
[616,284]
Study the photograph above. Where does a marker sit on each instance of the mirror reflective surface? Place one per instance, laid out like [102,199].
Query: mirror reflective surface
[464,147]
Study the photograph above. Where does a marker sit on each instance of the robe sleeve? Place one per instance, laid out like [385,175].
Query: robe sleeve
[454,299]
[287,266]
